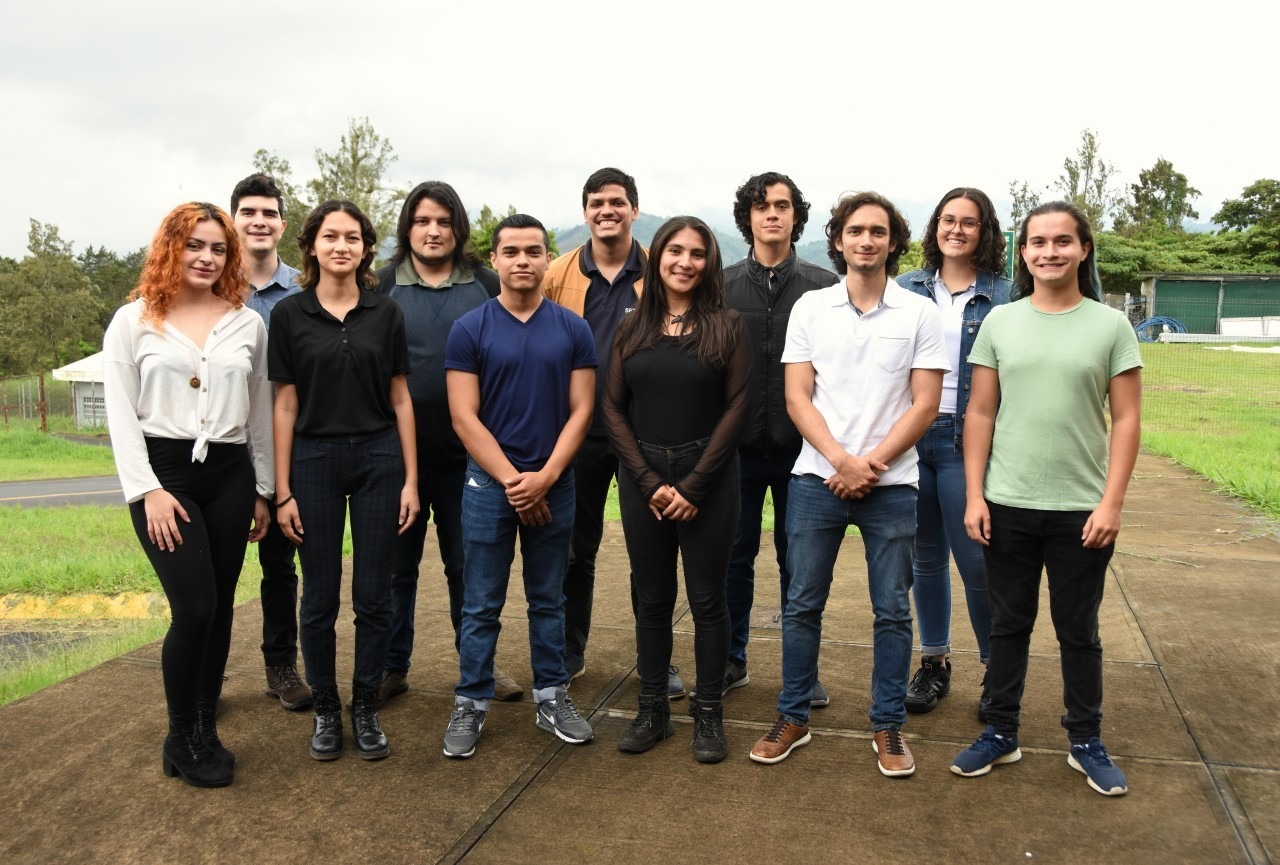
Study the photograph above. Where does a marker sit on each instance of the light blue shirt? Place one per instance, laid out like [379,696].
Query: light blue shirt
[284,282]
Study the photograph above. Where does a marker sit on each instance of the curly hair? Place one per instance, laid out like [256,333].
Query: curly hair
[161,276]
[755,190]
[989,256]
[310,275]
[899,231]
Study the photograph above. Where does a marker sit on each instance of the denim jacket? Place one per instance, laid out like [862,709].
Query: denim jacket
[989,291]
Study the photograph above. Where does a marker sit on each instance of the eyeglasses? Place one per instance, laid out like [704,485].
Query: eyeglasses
[949,222]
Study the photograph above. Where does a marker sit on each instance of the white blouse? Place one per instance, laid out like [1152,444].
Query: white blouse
[148,375]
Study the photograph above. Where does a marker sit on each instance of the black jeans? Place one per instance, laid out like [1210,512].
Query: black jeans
[703,544]
[199,577]
[760,473]
[1024,541]
[279,593]
[594,469]
[326,473]
[440,495]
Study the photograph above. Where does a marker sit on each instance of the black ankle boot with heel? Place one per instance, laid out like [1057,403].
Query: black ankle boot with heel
[185,756]
[207,726]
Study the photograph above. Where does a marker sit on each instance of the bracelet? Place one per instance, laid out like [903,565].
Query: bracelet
[285,502]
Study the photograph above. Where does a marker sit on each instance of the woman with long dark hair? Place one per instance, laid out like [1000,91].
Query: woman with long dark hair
[189,408]
[675,403]
[344,435]
[964,257]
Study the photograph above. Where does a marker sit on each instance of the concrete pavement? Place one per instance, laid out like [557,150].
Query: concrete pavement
[1192,700]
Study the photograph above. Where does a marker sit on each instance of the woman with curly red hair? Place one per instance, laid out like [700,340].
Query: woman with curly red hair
[189,409]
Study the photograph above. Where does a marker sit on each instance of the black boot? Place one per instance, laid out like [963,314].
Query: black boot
[371,742]
[709,743]
[184,755]
[651,726]
[326,736]
[208,728]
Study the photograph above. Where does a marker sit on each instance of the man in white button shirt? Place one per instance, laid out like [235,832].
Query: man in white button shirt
[864,364]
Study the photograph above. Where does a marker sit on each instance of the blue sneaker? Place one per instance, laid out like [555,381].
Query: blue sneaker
[1092,759]
[990,750]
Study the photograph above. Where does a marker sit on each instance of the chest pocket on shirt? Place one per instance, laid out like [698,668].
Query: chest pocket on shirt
[892,352]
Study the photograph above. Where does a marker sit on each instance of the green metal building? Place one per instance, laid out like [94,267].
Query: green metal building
[1202,300]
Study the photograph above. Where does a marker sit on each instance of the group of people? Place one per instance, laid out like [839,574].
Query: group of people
[949,413]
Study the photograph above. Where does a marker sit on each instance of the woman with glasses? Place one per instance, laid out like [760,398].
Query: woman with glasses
[964,259]
[675,403]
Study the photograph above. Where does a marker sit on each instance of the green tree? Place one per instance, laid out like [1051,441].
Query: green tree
[1025,199]
[356,171]
[296,207]
[1253,222]
[1159,201]
[1086,181]
[113,277]
[481,240]
[52,311]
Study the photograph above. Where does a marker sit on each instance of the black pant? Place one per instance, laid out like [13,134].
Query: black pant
[594,469]
[1023,541]
[325,473]
[703,544]
[199,577]
[279,592]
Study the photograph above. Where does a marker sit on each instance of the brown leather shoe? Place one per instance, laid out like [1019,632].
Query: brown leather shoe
[393,685]
[284,684]
[505,687]
[892,754]
[777,744]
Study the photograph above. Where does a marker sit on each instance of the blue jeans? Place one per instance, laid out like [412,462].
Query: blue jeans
[440,495]
[816,523]
[489,529]
[759,473]
[940,534]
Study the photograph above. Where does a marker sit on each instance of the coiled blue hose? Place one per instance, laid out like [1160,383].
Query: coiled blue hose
[1150,330]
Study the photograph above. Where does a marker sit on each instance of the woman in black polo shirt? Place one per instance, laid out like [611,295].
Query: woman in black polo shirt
[675,402]
[343,433]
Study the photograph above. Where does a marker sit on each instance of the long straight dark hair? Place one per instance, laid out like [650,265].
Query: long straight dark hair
[1087,274]
[709,335]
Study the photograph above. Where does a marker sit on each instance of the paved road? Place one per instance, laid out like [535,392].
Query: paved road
[68,491]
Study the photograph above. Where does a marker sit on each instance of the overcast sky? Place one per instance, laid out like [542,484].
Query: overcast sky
[116,111]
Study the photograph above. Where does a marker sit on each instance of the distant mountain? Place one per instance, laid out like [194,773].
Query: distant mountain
[731,246]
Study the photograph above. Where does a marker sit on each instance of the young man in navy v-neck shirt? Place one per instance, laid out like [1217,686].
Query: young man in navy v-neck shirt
[520,372]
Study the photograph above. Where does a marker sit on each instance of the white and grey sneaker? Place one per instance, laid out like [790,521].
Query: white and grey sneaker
[465,725]
[558,715]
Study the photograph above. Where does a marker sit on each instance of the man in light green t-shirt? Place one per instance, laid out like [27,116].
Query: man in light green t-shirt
[1045,369]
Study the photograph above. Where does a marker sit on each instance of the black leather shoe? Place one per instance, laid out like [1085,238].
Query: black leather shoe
[326,735]
[371,742]
[651,726]
[709,743]
[185,756]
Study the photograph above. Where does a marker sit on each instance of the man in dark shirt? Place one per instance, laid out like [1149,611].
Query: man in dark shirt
[257,207]
[600,281]
[771,213]
[520,376]
[435,279]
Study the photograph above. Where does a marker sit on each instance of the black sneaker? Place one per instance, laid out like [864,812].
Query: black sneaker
[984,702]
[709,743]
[930,683]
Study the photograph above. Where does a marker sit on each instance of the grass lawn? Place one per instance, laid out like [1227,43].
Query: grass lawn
[1218,413]
[26,454]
